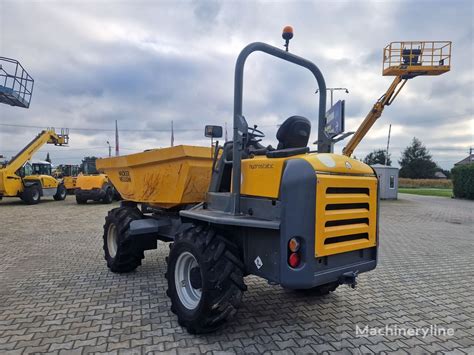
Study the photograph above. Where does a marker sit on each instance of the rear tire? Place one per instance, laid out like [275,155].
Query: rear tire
[31,195]
[109,195]
[205,280]
[120,252]
[61,193]
[80,200]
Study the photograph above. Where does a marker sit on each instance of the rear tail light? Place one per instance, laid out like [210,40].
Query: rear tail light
[294,260]
[294,247]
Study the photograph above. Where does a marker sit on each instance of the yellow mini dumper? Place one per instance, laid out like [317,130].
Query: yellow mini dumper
[307,220]
[93,185]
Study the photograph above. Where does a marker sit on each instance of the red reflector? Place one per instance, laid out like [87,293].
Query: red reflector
[294,260]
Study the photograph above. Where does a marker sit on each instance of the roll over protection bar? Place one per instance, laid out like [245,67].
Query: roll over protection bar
[240,124]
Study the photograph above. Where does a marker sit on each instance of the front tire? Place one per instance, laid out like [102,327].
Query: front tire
[79,199]
[121,254]
[109,195]
[31,195]
[205,280]
[60,193]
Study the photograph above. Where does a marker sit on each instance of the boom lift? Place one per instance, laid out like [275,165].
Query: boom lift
[304,220]
[404,60]
[17,178]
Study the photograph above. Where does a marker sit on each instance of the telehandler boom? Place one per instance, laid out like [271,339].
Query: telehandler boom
[17,179]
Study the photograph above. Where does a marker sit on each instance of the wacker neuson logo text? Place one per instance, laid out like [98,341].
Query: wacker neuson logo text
[395,330]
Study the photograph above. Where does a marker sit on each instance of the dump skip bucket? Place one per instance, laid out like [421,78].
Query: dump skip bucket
[164,177]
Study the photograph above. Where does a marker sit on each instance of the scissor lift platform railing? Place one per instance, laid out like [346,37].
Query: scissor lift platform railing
[16,85]
[417,58]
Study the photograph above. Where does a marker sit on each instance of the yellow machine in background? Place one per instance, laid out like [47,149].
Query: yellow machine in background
[93,185]
[68,175]
[18,179]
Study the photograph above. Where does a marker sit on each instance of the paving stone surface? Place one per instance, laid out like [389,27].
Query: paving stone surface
[57,295]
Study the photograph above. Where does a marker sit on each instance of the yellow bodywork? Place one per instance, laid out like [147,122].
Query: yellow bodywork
[46,181]
[70,182]
[261,176]
[164,177]
[91,182]
[346,213]
[346,198]
[12,185]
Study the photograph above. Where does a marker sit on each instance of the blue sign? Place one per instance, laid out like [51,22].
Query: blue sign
[335,119]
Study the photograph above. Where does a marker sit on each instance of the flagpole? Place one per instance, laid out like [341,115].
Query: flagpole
[172,134]
[117,149]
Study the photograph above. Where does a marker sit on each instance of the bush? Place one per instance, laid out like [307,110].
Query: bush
[463,181]
[429,183]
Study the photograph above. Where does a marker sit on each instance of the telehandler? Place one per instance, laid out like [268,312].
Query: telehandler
[307,220]
[93,185]
[18,179]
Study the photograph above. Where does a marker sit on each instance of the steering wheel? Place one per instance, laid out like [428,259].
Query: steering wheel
[255,133]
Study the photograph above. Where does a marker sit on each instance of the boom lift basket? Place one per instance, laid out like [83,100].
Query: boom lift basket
[16,85]
[417,58]
[165,177]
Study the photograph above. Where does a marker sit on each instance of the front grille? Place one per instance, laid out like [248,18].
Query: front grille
[345,213]
[345,222]
[346,238]
[348,190]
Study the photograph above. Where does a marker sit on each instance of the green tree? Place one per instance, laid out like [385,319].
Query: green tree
[416,162]
[377,157]
[48,159]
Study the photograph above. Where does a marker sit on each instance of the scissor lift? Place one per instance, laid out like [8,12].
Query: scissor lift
[404,60]
[16,85]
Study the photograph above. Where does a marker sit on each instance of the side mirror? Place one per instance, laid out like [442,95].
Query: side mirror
[213,131]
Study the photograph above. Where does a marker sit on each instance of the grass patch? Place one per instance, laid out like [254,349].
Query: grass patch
[427,192]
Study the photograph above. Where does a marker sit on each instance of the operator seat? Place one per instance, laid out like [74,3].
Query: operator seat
[293,137]
[294,133]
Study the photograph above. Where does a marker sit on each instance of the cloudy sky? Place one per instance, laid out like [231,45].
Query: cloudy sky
[147,63]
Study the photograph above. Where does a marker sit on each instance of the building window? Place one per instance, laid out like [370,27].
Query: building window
[392,181]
